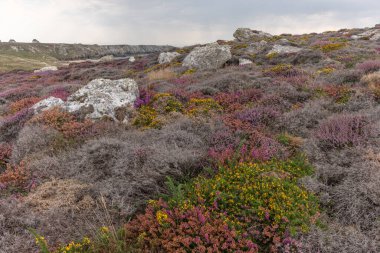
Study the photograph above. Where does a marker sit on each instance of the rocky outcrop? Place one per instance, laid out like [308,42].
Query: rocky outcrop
[46,69]
[104,98]
[373,34]
[167,57]
[211,56]
[257,47]
[279,49]
[246,34]
[98,99]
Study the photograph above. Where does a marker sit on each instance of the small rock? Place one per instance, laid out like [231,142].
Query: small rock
[167,57]
[246,34]
[107,58]
[211,56]
[132,59]
[46,69]
[279,49]
[243,62]
[47,103]
[35,41]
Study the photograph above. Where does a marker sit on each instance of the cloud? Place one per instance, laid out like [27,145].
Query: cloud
[175,22]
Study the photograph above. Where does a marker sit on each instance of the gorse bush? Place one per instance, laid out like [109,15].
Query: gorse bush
[243,208]
[165,103]
[146,117]
[343,130]
[202,106]
[282,70]
[266,191]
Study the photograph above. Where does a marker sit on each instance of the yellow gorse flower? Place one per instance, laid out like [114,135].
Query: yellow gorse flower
[161,217]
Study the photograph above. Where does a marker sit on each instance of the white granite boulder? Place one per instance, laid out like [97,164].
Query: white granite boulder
[99,98]
[211,56]
[167,57]
[246,34]
[104,98]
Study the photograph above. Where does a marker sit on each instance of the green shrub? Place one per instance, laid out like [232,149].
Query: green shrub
[267,191]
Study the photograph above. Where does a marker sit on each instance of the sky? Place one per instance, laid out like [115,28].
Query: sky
[174,22]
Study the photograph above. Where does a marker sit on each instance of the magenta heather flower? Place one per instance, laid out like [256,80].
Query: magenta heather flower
[369,66]
[145,98]
[343,130]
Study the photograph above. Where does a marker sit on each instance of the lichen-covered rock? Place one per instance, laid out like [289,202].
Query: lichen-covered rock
[47,103]
[246,34]
[243,62]
[167,57]
[279,49]
[211,56]
[104,98]
[256,47]
[46,69]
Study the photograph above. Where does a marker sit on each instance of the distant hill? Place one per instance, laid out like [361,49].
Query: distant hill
[34,55]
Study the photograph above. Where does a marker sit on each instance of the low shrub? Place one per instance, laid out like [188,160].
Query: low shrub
[15,177]
[61,93]
[284,70]
[369,66]
[202,106]
[5,154]
[22,104]
[340,94]
[63,122]
[146,117]
[343,130]
[328,46]
[12,124]
[259,116]
[264,191]
[165,103]
[164,229]
[146,96]
[234,101]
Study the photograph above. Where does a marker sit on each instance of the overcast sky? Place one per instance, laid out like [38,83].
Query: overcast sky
[174,22]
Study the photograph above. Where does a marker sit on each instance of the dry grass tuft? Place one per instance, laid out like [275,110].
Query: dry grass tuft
[162,74]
